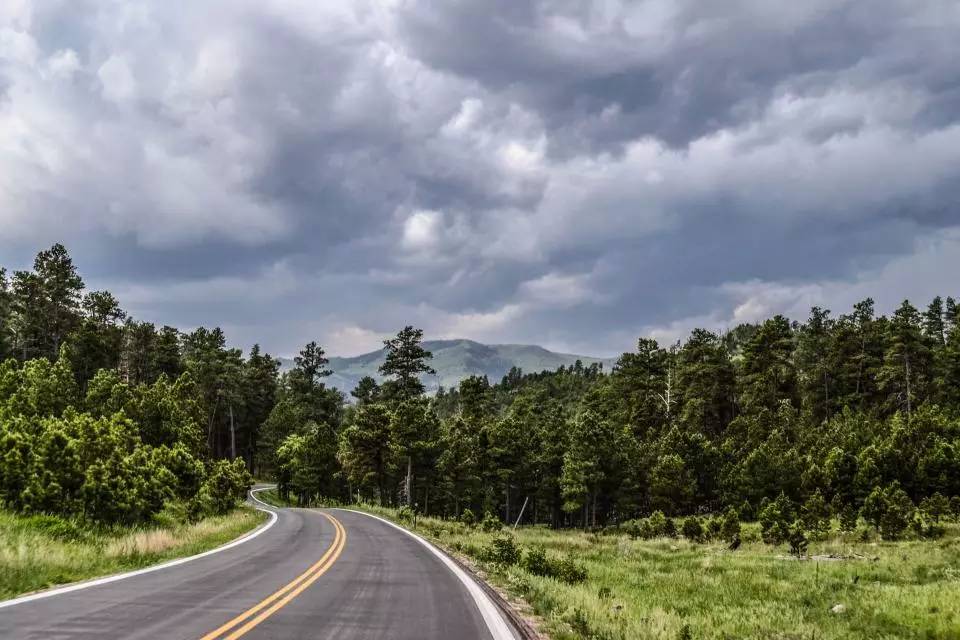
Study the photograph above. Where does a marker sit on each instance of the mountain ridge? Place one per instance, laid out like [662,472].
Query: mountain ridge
[456,359]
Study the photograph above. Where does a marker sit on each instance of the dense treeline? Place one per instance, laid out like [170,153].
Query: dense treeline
[111,419]
[836,416]
[851,416]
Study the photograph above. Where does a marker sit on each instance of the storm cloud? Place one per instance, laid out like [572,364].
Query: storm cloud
[570,173]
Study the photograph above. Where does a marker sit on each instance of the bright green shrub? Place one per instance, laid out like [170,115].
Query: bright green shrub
[227,483]
[537,562]
[730,524]
[775,520]
[889,509]
[692,529]
[502,550]
[490,523]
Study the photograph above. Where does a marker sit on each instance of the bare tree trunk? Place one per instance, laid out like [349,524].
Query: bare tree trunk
[906,360]
[507,518]
[233,436]
[409,484]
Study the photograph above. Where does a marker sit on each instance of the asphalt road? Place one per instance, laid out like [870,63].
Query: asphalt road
[312,574]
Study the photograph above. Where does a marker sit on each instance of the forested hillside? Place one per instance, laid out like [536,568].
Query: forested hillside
[455,360]
[851,415]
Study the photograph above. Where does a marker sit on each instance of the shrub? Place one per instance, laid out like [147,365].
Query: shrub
[815,515]
[797,539]
[670,528]
[537,562]
[730,524]
[57,527]
[889,510]
[692,529]
[775,519]
[935,507]
[468,518]
[227,483]
[502,550]
[490,523]
[955,507]
[848,518]
[569,571]
[714,528]
[926,527]
[657,524]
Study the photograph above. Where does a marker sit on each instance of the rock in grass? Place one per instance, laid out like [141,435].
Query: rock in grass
[838,608]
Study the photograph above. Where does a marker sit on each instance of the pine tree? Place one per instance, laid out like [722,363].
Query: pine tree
[366,450]
[933,322]
[814,346]
[406,359]
[706,383]
[769,375]
[906,370]
[60,288]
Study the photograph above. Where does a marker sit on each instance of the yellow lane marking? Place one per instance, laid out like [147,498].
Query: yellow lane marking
[288,592]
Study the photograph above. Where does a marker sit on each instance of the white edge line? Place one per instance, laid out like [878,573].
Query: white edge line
[496,623]
[158,567]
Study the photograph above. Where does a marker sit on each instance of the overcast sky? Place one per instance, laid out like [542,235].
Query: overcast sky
[569,173]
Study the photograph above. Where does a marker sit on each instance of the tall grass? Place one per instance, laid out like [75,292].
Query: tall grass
[42,551]
[675,589]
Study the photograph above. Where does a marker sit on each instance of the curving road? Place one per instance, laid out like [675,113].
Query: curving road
[333,574]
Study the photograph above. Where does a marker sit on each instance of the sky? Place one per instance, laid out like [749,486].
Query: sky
[573,174]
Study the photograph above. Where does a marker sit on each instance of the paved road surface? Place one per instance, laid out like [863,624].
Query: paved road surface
[331,574]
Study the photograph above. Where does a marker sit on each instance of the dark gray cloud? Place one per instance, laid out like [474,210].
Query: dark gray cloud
[568,173]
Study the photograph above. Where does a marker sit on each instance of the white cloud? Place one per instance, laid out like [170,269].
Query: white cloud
[64,63]
[557,290]
[116,80]
[349,341]
[18,47]
[422,230]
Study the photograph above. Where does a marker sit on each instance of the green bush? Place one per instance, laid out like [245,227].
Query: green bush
[656,526]
[468,518]
[889,510]
[815,515]
[692,529]
[490,523]
[66,529]
[797,539]
[775,520]
[848,518]
[570,572]
[536,562]
[935,507]
[730,525]
[227,483]
[714,528]
[133,452]
[502,550]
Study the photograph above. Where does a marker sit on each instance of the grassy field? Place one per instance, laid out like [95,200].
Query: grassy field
[42,551]
[674,589]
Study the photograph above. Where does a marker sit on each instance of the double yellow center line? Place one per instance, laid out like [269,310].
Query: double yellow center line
[279,599]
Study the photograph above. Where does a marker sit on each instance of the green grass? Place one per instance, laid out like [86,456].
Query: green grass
[37,552]
[675,589]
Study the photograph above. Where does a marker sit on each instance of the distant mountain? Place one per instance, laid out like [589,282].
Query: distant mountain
[455,360]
